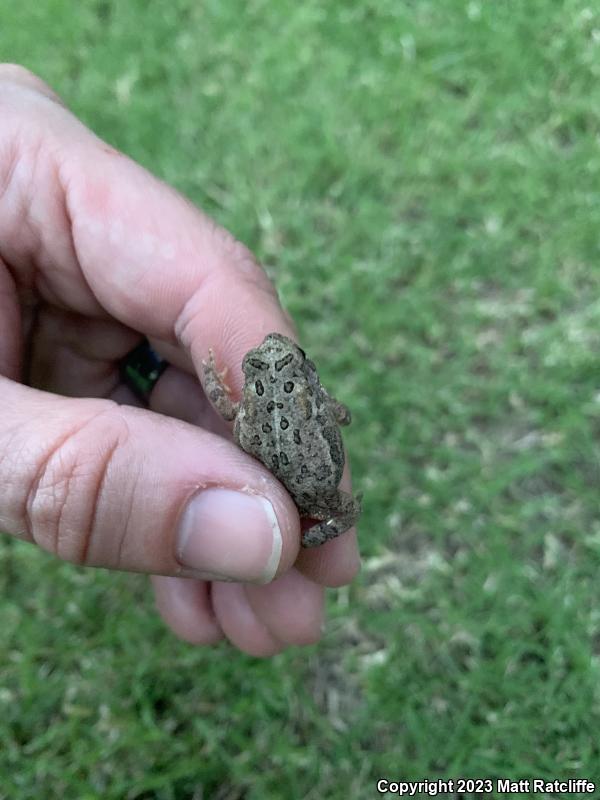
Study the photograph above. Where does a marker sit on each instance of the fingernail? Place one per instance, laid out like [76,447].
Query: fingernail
[230,534]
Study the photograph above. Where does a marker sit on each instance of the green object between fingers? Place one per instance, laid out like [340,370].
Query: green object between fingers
[141,369]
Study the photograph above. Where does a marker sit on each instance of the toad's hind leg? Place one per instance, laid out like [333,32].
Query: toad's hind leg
[347,511]
[340,411]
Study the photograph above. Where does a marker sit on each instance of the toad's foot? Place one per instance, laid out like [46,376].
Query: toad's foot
[340,411]
[217,390]
[347,511]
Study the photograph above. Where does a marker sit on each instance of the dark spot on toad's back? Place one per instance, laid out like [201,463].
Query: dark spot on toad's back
[266,427]
[260,389]
[284,424]
[283,362]
[258,364]
[333,440]
[288,387]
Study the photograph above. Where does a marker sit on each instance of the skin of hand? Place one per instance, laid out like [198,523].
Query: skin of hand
[95,254]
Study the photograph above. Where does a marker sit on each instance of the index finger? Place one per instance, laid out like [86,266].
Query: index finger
[107,237]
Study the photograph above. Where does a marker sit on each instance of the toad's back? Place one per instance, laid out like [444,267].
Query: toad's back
[286,420]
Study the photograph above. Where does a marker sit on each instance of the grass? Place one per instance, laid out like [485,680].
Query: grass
[422,181]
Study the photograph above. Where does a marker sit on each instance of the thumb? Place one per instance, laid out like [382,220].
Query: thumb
[119,487]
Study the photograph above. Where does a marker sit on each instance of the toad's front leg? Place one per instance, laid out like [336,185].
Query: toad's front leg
[217,390]
[342,512]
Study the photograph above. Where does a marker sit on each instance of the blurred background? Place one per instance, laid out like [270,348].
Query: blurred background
[422,182]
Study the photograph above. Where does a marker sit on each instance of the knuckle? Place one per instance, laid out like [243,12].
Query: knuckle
[241,259]
[237,264]
[65,499]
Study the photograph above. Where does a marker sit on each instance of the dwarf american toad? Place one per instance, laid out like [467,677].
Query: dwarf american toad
[289,422]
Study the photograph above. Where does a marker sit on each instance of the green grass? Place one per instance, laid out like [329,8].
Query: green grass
[422,180]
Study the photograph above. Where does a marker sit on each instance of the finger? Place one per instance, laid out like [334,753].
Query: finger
[70,353]
[103,236]
[239,622]
[180,395]
[259,620]
[124,488]
[185,606]
[78,356]
[335,563]
[291,608]
[125,397]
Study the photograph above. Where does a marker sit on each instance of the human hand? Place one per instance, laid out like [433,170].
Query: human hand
[95,255]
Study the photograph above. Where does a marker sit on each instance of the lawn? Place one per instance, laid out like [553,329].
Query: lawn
[422,182]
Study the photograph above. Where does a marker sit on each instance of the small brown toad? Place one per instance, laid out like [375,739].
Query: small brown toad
[290,423]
